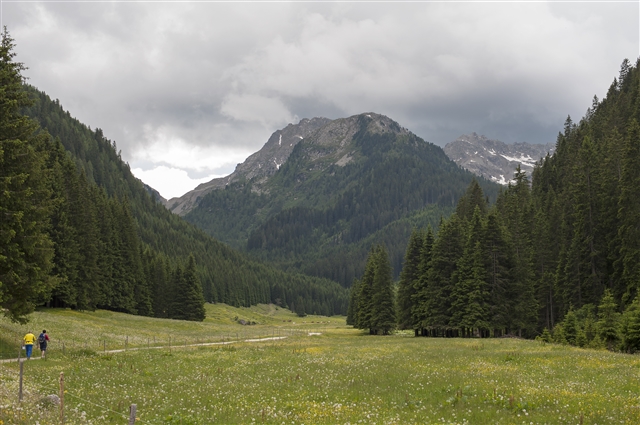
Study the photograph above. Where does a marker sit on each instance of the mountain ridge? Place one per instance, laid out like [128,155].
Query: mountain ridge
[262,163]
[493,159]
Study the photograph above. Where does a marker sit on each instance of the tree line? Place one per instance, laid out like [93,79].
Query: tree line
[557,256]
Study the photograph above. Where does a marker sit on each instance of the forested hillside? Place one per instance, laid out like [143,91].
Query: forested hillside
[354,182]
[81,231]
[560,253]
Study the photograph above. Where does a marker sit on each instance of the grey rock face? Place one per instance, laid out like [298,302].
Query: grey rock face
[263,163]
[329,142]
[493,159]
[333,142]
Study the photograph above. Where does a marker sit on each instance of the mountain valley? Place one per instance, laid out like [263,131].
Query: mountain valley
[345,186]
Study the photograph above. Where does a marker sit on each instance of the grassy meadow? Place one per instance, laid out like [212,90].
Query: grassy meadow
[323,372]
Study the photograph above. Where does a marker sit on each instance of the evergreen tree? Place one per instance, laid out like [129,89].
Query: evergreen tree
[472,199]
[558,334]
[545,245]
[26,249]
[63,234]
[589,325]
[365,298]
[570,327]
[608,318]
[630,328]
[586,266]
[300,310]
[420,305]
[470,295]
[516,210]
[499,268]
[383,300]
[352,312]
[629,215]
[188,301]
[408,280]
[546,335]
[447,250]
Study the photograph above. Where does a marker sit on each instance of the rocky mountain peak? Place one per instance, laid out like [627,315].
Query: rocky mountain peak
[333,143]
[275,152]
[339,132]
[329,140]
[263,163]
[493,159]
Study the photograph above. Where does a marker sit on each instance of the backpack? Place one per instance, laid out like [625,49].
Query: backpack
[41,339]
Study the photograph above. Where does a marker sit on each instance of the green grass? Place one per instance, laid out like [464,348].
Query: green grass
[340,376]
[108,330]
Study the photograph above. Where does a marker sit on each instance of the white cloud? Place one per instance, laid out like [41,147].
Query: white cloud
[170,182]
[163,147]
[270,112]
[200,86]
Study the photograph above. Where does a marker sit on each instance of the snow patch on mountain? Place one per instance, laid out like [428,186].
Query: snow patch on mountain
[493,159]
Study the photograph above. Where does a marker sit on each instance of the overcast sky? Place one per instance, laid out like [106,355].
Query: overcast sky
[188,90]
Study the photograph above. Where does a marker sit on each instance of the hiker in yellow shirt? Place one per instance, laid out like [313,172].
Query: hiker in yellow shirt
[29,339]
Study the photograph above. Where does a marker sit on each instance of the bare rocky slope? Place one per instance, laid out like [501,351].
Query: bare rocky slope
[261,164]
[493,159]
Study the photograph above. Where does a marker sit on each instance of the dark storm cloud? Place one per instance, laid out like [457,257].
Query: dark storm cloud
[194,88]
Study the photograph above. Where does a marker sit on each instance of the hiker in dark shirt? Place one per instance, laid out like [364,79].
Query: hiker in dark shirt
[43,339]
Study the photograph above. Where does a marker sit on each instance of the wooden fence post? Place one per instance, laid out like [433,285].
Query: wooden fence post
[132,414]
[20,389]
[126,342]
[62,398]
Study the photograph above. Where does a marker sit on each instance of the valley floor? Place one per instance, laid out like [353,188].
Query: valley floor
[323,372]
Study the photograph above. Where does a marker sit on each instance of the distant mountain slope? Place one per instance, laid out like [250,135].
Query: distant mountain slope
[226,275]
[261,164]
[342,188]
[493,159]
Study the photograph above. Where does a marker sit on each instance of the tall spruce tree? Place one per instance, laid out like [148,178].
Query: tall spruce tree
[420,300]
[629,215]
[630,328]
[365,298]
[188,301]
[383,300]
[608,318]
[352,311]
[473,197]
[447,250]
[26,249]
[409,277]
[516,210]
[469,279]
[571,327]
[499,268]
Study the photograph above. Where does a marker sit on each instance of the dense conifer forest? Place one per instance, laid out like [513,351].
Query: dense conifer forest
[557,256]
[80,231]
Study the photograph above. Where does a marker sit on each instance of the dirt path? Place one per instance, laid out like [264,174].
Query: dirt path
[121,350]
